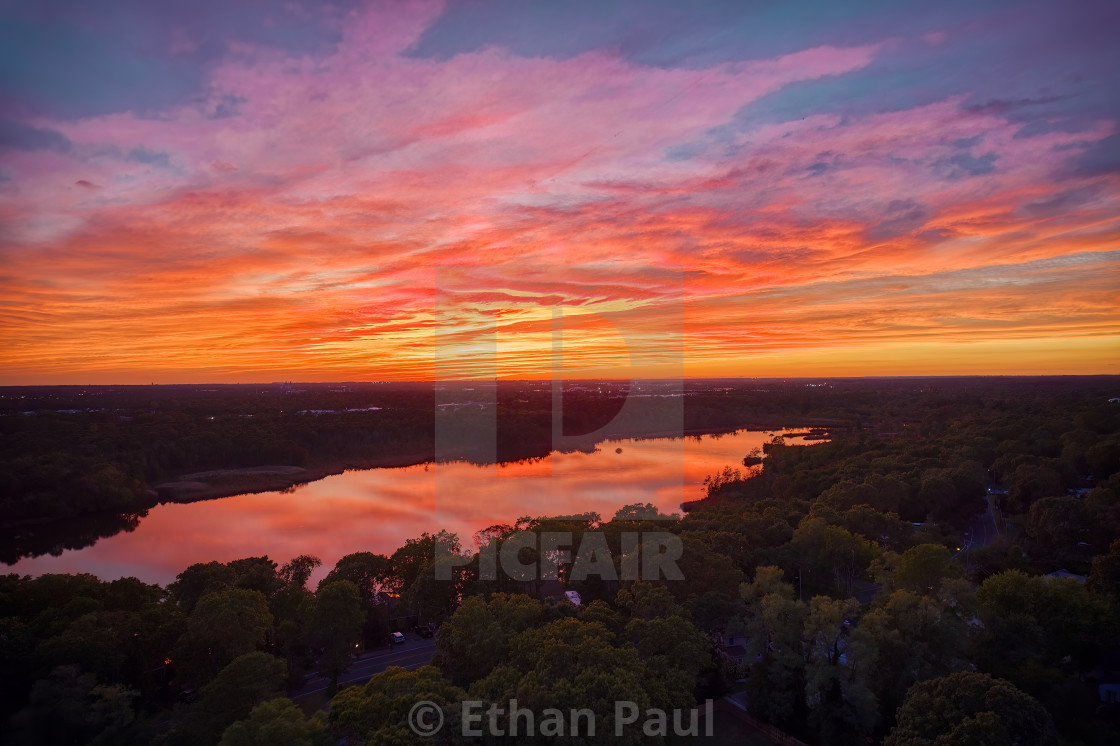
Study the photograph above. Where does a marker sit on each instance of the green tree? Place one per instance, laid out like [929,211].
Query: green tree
[70,707]
[774,626]
[378,712]
[921,569]
[198,580]
[298,570]
[837,679]
[338,626]
[1030,620]
[573,664]
[222,626]
[644,600]
[278,721]
[371,573]
[912,637]
[1105,575]
[1058,525]
[1030,482]
[829,558]
[247,680]
[476,637]
[674,651]
[640,512]
[409,561]
[970,708]
[256,574]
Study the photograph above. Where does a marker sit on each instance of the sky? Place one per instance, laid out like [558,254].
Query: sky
[228,191]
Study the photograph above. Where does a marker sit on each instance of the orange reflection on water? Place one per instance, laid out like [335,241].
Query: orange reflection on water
[378,509]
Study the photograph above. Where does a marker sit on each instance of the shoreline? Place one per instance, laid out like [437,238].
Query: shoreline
[275,478]
[217,483]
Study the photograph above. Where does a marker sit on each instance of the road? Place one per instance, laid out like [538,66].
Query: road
[982,530]
[415,652]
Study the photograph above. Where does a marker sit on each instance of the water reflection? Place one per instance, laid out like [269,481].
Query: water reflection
[378,509]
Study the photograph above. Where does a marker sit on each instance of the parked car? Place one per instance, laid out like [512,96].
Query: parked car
[425,632]
[398,638]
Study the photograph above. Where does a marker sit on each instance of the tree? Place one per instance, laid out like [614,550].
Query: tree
[198,580]
[71,707]
[378,712]
[222,626]
[247,680]
[574,664]
[704,569]
[876,526]
[338,626]
[837,681]
[767,580]
[278,721]
[920,569]
[472,642]
[644,600]
[1057,525]
[970,708]
[640,512]
[774,624]
[1030,482]
[955,495]
[1105,575]
[371,573]
[1031,620]
[256,574]
[298,570]
[438,587]
[829,558]
[912,637]
[675,651]
[409,561]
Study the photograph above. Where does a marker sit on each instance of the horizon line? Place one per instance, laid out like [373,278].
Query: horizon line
[565,380]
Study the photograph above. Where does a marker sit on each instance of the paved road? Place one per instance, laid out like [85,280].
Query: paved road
[415,652]
[982,531]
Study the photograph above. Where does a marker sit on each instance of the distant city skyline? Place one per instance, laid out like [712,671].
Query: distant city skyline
[248,192]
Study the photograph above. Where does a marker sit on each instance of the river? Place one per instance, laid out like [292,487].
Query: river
[378,509]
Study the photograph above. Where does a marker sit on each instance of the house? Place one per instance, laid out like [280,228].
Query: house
[1064,573]
[1108,689]
[1106,675]
[735,649]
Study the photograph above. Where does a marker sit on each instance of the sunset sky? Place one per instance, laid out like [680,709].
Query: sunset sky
[257,191]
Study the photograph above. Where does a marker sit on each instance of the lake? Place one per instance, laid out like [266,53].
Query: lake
[376,510]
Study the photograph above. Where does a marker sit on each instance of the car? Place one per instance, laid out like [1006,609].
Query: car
[425,632]
[398,638]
